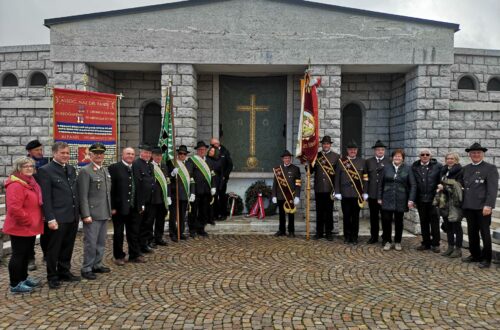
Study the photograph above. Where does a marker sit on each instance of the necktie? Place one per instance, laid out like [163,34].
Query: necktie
[132,193]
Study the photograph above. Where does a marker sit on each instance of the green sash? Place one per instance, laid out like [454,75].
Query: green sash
[184,175]
[160,177]
[203,167]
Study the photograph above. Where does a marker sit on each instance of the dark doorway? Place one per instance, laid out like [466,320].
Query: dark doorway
[352,126]
[151,124]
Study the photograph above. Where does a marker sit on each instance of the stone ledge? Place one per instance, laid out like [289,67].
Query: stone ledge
[24,48]
[474,106]
[477,51]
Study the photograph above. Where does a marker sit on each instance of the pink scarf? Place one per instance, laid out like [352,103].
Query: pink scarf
[31,182]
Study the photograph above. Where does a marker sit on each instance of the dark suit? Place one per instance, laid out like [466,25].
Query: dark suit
[200,209]
[227,168]
[183,199]
[375,168]
[480,184]
[144,181]
[60,202]
[292,175]
[323,188]
[126,217]
[159,209]
[39,162]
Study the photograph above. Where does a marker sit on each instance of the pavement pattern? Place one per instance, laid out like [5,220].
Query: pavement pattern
[262,282]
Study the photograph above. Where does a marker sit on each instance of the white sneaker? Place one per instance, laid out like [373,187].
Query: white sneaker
[398,247]
[387,246]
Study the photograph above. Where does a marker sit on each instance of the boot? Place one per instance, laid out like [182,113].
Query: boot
[457,253]
[448,251]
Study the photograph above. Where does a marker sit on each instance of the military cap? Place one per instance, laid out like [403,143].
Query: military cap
[33,144]
[476,146]
[97,147]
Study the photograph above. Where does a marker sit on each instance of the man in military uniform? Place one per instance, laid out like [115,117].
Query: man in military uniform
[124,209]
[286,193]
[34,149]
[180,172]
[161,198]
[350,188]
[144,180]
[480,182]
[204,190]
[375,167]
[324,184]
[59,186]
[94,188]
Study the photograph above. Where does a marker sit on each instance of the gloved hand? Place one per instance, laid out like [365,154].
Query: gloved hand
[174,172]
[212,191]
[169,201]
[365,197]
[338,196]
[192,198]
[274,200]
[296,201]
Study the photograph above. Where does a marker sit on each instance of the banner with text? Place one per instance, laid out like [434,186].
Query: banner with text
[83,118]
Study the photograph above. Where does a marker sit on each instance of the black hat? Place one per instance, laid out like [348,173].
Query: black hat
[352,144]
[157,151]
[379,144]
[182,149]
[200,144]
[97,147]
[326,139]
[476,146]
[286,153]
[33,144]
[145,147]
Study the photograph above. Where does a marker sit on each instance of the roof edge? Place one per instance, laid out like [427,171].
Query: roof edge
[476,51]
[24,48]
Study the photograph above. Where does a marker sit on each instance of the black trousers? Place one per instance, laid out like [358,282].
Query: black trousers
[43,243]
[200,213]
[387,218]
[429,223]
[221,198]
[146,225]
[291,219]
[172,221]
[375,216]
[159,213]
[22,247]
[60,249]
[324,214]
[350,209]
[129,223]
[454,233]
[477,224]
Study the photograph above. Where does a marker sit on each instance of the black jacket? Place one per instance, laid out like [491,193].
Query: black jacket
[396,189]
[121,188]
[227,164]
[375,171]
[217,165]
[427,179]
[455,172]
[144,180]
[60,193]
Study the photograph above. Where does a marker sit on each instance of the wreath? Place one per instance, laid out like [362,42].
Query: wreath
[238,204]
[254,190]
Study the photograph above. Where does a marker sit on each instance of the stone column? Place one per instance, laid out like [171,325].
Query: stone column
[184,89]
[71,75]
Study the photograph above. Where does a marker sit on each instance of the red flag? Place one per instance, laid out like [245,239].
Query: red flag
[308,139]
[258,209]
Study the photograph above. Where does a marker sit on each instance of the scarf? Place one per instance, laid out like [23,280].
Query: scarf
[30,182]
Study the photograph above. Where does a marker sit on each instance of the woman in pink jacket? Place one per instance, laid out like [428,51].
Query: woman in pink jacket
[23,222]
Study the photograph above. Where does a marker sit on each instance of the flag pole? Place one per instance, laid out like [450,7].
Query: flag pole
[308,169]
[177,218]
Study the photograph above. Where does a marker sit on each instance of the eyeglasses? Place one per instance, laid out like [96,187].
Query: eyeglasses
[27,166]
[425,154]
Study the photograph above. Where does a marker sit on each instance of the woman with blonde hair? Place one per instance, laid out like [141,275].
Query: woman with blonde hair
[23,222]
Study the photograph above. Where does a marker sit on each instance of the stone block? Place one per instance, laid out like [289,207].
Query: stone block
[168,69]
[440,82]
[474,68]
[9,140]
[189,102]
[441,124]
[8,65]
[466,95]
[460,59]
[6,160]
[33,65]
[478,59]
[494,69]
[442,104]
[12,56]
[475,134]
[433,70]
[62,79]
[425,104]
[333,70]
[486,125]
[186,69]
[14,131]
[16,121]
[187,80]
[464,125]
[473,116]
[456,134]
[432,93]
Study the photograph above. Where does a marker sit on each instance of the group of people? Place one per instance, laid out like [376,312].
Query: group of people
[391,187]
[50,197]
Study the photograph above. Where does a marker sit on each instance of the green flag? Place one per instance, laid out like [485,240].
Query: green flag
[166,141]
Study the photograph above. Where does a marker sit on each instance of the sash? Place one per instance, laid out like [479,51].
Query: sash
[184,175]
[354,176]
[203,167]
[160,177]
[327,167]
[285,188]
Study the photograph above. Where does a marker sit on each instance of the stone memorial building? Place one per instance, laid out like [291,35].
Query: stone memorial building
[235,67]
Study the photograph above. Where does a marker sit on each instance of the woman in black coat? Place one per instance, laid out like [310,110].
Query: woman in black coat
[396,193]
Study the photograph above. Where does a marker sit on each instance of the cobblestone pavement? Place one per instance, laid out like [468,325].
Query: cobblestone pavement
[265,282]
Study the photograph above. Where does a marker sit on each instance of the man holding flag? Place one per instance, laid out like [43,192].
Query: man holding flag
[161,197]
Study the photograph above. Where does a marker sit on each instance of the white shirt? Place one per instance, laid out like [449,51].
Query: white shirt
[475,164]
[126,164]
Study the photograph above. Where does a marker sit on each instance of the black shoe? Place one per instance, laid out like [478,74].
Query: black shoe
[174,238]
[346,241]
[484,264]
[153,245]
[203,234]
[101,270]
[470,259]
[354,242]
[54,284]
[211,222]
[162,242]
[329,238]
[69,278]
[317,237]
[291,235]
[146,249]
[279,233]
[436,249]
[192,235]
[423,248]
[89,275]
[373,240]
[183,237]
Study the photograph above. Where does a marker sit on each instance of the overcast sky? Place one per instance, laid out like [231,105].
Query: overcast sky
[21,21]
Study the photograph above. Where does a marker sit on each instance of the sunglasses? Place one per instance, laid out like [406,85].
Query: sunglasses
[425,154]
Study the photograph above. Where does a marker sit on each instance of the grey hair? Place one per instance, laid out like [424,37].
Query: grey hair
[19,162]
[454,155]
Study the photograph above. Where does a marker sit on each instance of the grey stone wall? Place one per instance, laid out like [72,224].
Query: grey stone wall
[205,108]
[397,116]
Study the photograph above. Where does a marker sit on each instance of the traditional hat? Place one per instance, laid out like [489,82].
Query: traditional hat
[145,147]
[97,148]
[33,144]
[286,153]
[476,146]
[182,149]
[156,151]
[200,144]
[352,144]
[326,139]
[379,144]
